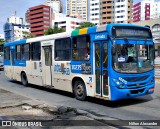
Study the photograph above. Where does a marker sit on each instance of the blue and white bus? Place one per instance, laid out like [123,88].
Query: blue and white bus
[111,62]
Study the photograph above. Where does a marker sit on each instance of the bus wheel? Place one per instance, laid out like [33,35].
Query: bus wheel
[24,79]
[80,90]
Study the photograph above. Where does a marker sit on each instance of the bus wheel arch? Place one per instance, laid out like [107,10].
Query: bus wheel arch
[24,79]
[79,88]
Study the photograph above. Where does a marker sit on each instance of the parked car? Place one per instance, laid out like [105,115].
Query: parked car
[1,63]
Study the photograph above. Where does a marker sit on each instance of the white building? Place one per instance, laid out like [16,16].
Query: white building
[1,36]
[67,23]
[15,20]
[95,11]
[110,11]
[121,11]
[55,5]
[146,10]
[21,32]
[78,8]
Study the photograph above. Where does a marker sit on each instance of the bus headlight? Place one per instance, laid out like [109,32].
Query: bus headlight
[116,81]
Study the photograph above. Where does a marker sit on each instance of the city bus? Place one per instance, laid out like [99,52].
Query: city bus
[111,62]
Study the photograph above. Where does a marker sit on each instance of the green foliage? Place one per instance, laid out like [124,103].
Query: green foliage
[28,34]
[55,30]
[85,25]
[2,41]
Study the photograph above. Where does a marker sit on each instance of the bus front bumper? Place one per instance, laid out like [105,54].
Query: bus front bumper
[117,93]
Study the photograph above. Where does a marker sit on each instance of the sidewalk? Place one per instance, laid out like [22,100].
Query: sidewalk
[15,107]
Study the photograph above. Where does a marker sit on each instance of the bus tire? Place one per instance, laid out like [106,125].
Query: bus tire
[24,79]
[80,90]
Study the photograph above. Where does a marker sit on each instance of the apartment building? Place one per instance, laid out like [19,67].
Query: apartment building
[14,29]
[55,5]
[110,11]
[65,22]
[39,19]
[122,11]
[15,20]
[146,10]
[14,32]
[77,8]
[94,11]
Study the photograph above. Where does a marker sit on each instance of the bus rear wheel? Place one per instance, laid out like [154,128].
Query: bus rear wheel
[80,90]
[24,79]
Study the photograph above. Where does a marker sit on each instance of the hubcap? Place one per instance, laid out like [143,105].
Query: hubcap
[80,90]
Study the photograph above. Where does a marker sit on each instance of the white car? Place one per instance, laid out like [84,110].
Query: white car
[1,63]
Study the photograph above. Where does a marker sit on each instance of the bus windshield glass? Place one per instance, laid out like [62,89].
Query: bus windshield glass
[131,32]
[132,58]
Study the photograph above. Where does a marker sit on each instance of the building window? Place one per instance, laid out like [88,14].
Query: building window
[62,49]
[18,52]
[7,53]
[81,48]
[26,52]
[36,51]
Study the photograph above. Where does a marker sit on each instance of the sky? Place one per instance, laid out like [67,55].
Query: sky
[8,7]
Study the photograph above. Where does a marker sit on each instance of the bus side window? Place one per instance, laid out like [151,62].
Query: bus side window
[81,48]
[18,52]
[7,53]
[62,49]
[36,51]
[26,52]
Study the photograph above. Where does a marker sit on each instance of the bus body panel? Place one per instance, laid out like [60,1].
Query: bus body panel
[100,78]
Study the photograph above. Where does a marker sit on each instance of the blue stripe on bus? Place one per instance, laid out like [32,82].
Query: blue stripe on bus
[12,46]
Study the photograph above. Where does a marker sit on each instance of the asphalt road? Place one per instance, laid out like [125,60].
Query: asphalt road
[141,108]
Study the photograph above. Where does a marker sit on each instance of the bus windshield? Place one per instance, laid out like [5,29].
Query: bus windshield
[133,58]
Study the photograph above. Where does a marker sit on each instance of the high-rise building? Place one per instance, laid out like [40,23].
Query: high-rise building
[146,10]
[67,23]
[55,5]
[15,20]
[77,8]
[14,29]
[95,11]
[110,11]
[39,19]
[14,32]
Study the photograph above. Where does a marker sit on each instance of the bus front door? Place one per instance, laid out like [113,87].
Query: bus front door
[101,69]
[47,66]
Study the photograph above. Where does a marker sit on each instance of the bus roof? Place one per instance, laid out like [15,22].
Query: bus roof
[15,42]
[40,38]
[49,37]
[100,28]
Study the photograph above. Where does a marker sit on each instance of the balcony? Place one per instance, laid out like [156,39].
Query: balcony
[106,20]
[38,11]
[107,15]
[39,20]
[39,24]
[38,15]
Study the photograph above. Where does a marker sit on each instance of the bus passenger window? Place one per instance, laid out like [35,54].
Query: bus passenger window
[26,52]
[18,52]
[36,51]
[62,49]
[81,48]
[7,53]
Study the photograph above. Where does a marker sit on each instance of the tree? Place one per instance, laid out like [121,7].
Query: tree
[1,41]
[55,30]
[28,34]
[85,25]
